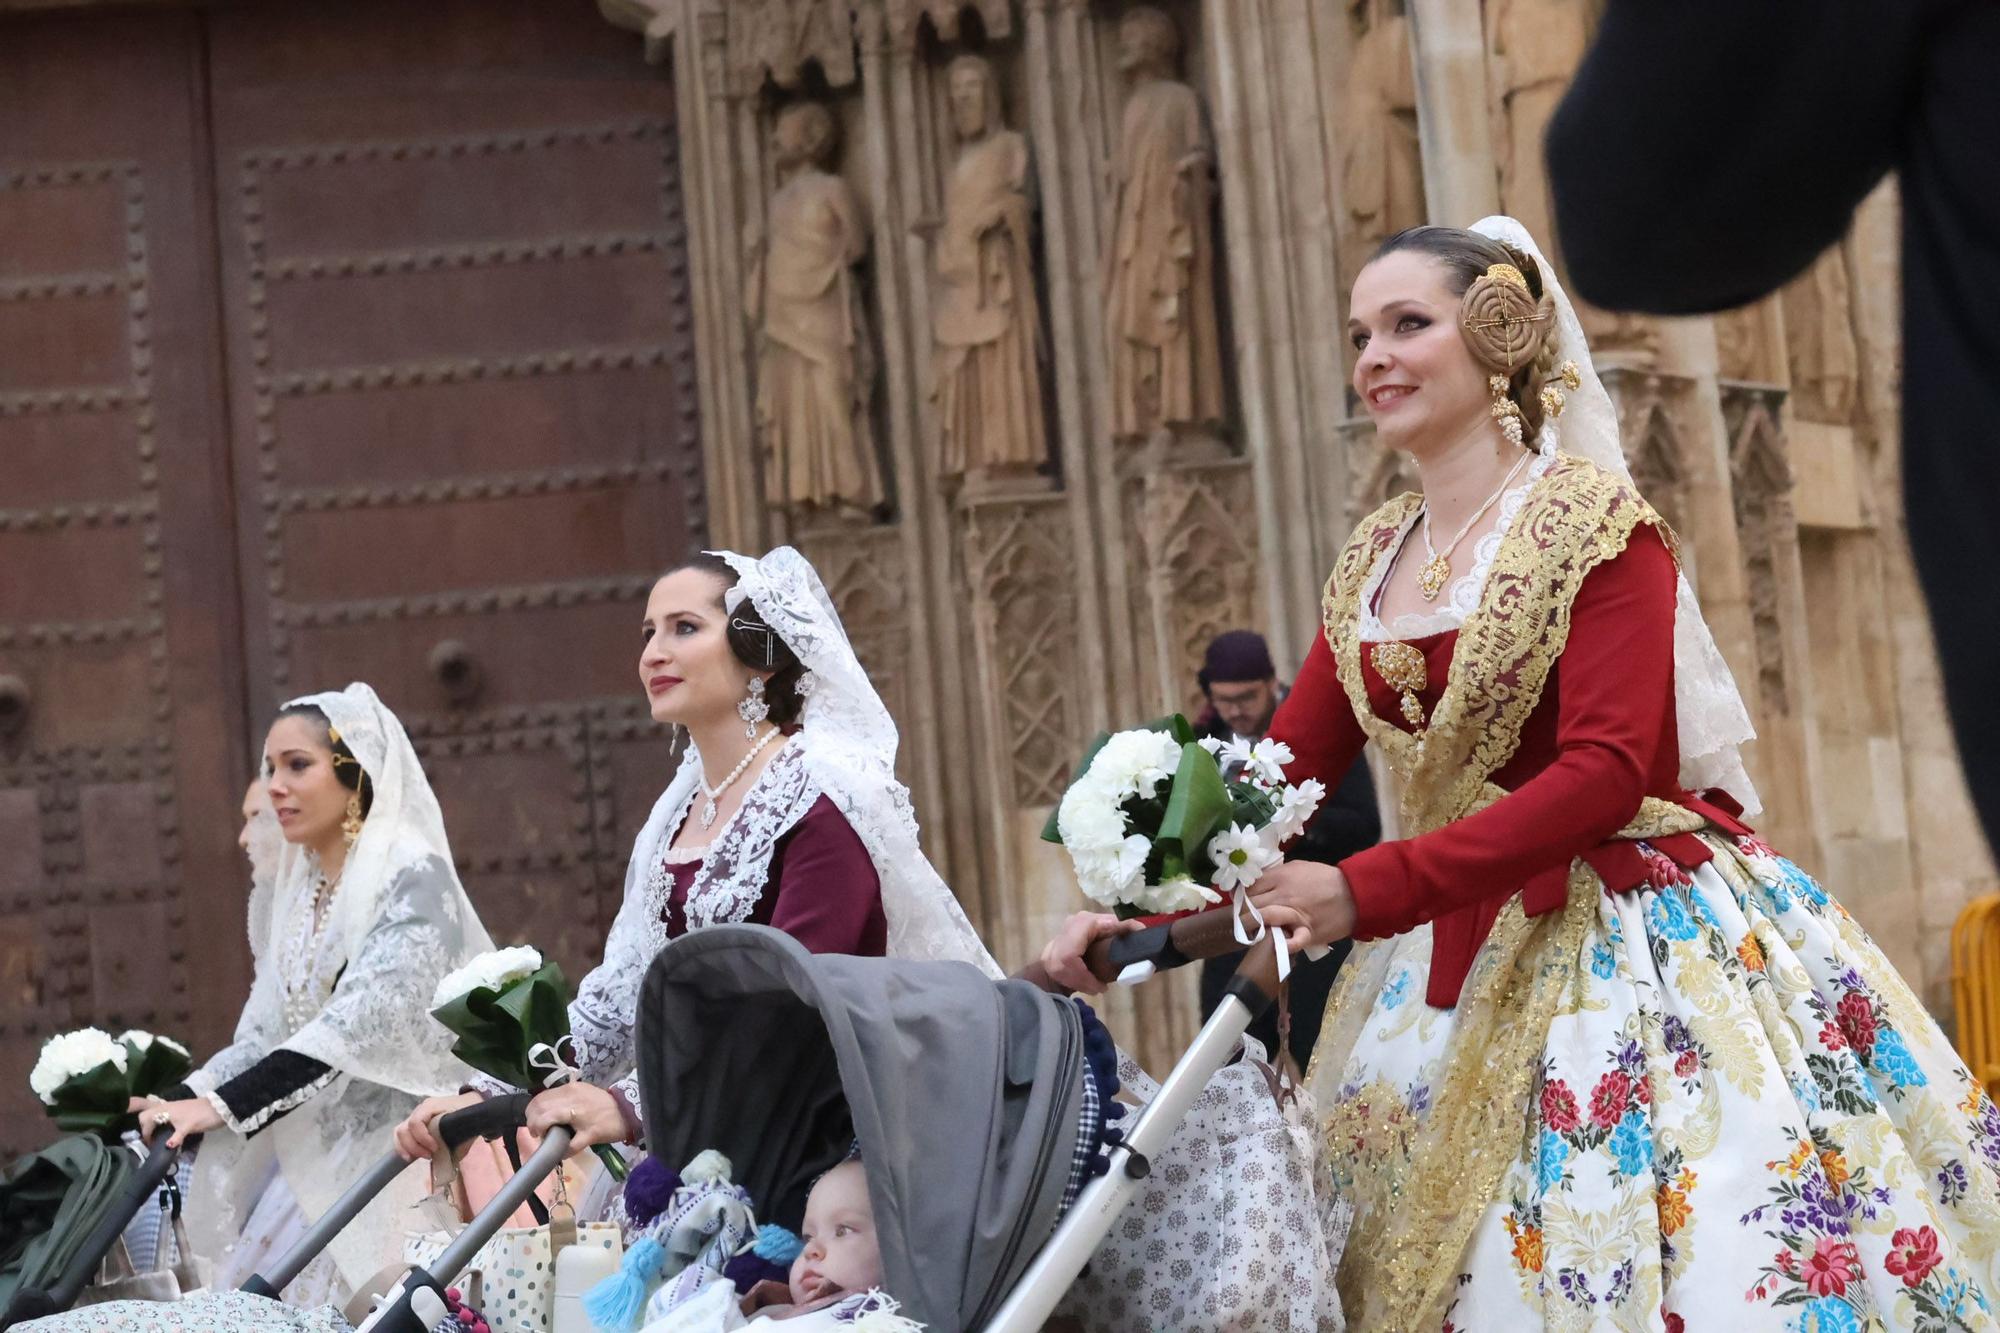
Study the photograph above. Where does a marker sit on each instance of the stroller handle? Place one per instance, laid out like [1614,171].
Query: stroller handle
[494,1118]
[1173,943]
[416,1303]
[272,1280]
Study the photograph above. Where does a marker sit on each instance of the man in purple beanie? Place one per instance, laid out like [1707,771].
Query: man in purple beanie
[1243,691]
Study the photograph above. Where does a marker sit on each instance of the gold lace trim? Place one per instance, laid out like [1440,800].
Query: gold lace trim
[1577,517]
[1419,1188]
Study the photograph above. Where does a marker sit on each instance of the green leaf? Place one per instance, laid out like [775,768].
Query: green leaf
[495,1030]
[1199,806]
[150,1072]
[93,1102]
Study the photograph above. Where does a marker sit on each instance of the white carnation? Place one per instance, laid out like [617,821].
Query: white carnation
[1135,763]
[143,1041]
[1089,818]
[491,970]
[1113,875]
[70,1054]
[1179,894]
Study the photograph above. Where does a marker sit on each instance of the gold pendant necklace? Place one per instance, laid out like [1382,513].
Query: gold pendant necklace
[1435,572]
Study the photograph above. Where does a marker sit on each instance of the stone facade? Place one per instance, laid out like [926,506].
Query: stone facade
[1018,612]
[1190,462]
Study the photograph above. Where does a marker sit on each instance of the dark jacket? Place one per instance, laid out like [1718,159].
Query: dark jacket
[1708,150]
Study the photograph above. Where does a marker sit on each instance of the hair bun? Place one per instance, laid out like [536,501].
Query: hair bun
[1502,319]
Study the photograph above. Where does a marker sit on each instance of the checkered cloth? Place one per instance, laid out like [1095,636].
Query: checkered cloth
[1100,1086]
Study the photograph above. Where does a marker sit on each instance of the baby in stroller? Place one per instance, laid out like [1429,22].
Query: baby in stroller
[834,1279]
[839,1258]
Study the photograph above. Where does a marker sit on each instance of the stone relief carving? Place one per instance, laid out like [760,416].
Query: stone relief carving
[1160,306]
[985,317]
[1536,46]
[904,16]
[778,39]
[1819,337]
[1199,537]
[1762,479]
[815,362]
[1022,571]
[1381,166]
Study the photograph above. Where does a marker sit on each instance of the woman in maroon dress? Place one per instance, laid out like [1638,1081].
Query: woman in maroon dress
[786,812]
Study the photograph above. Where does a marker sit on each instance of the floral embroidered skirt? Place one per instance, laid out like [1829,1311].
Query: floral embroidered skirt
[1743,1119]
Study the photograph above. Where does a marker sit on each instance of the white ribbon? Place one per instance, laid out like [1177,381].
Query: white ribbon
[1237,905]
[558,1058]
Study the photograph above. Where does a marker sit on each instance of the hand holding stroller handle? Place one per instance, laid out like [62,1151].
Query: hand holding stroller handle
[494,1118]
[1170,944]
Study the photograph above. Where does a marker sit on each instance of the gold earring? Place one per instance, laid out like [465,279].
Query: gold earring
[1505,410]
[350,827]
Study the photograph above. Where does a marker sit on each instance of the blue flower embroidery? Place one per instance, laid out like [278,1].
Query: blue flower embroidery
[1701,909]
[1602,962]
[1397,990]
[1632,1144]
[1892,1058]
[1554,1153]
[1670,916]
[1829,1314]
[1799,882]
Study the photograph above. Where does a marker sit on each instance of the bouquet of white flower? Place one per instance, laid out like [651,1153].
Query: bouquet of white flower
[509,1011]
[86,1078]
[1152,826]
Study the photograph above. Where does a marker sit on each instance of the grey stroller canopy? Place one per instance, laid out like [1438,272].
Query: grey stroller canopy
[965,1094]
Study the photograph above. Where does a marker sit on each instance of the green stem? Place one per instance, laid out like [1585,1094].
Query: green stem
[614,1161]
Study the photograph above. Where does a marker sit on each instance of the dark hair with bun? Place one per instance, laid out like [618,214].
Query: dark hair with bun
[755,644]
[347,769]
[1466,255]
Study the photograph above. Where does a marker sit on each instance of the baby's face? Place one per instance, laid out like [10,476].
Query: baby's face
[840,1254]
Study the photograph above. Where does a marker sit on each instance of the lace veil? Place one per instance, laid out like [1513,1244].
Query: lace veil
[1709,711]
[399,921]
[849,743]
[845,749]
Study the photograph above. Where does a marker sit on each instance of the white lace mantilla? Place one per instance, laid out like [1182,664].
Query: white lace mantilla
[735,870]
[1461,599]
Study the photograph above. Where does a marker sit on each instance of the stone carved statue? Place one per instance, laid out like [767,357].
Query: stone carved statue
[1536,47]
[1381,165]
[815,364]
[1819,337]
[985,318]
[1160,308]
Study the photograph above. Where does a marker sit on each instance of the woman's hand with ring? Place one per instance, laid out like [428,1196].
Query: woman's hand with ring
[182,1119]
[592,1115]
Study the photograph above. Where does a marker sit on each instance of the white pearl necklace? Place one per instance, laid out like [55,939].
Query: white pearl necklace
[712,793]
[302,980]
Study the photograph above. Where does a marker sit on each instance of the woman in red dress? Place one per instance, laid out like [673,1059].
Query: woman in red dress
[1603,1058]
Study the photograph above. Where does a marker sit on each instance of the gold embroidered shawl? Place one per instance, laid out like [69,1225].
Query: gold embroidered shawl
[1419,1187]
